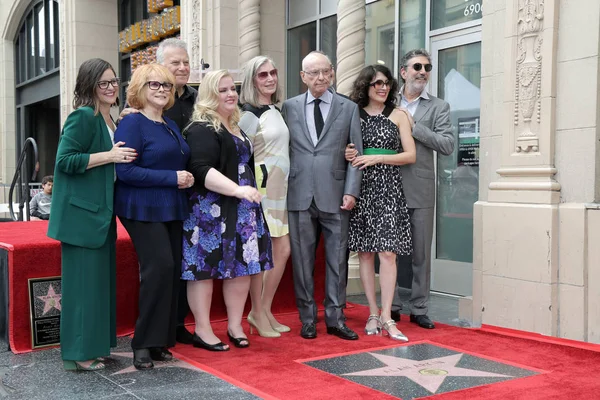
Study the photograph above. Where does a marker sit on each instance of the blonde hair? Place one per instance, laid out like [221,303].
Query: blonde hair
[207,103]
[138,85]
[248,93]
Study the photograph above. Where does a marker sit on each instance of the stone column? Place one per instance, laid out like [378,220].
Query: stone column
[193,32]
[350,42]
[516,220]
[350,60]
[249,30]
[88,29]
[222,35]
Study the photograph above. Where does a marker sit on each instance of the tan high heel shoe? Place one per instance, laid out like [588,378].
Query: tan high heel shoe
[395,336]
[263,333]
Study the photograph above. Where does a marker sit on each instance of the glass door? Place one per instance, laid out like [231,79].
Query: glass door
[456,78]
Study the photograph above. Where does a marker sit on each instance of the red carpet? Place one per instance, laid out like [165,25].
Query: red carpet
[31,254]
[270,368]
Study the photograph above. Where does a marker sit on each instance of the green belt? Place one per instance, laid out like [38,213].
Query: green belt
[369,151]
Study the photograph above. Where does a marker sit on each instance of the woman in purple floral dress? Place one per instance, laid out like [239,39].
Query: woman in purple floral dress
[225,235]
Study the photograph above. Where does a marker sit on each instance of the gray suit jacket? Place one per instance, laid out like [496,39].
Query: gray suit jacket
[432,131]
[321,172]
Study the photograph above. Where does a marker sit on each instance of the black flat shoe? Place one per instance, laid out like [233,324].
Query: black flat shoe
[198,342]
[184,336]
[238,341]
[141,359]
[422,320]
[395,314]
[309,331]
[160,354]
[342,331]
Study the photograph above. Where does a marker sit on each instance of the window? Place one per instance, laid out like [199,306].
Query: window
[446,13]
[36,44]
[312,25]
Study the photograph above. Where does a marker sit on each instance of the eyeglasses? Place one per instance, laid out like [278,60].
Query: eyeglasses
[155,85]
[379,84]
[317,72]
[419,66]
[265,74]
[104,84]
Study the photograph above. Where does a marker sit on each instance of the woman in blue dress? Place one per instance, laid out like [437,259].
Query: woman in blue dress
[225,235]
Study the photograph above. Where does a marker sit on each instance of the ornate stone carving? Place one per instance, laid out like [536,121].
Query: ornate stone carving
[195,46]
[529,74]
[249,23]
[350,43]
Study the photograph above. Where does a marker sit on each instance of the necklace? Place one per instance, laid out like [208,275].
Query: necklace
[157,121]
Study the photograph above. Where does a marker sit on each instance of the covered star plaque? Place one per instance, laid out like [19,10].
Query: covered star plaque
[44,311]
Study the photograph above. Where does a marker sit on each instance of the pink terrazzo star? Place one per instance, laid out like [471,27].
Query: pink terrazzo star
[51,300]
[429,373]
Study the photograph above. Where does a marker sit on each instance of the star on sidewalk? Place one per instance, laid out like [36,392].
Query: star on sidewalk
[429,373]
[157,364]
[51,300]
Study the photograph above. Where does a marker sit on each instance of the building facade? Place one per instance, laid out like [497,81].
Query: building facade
[516,212]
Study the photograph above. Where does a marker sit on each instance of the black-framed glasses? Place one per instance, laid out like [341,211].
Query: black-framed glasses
[155,85]
[265,74]
[379,84]
[113,82]
[419,66]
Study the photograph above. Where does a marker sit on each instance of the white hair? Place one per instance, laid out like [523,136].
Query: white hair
[171,42]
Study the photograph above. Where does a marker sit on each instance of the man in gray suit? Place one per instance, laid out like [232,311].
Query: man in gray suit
[432,131]
[322,189]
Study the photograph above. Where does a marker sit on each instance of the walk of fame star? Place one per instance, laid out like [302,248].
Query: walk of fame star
[429,373]
[51,300]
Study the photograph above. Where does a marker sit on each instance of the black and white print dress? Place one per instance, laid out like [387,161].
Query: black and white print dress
[380,221]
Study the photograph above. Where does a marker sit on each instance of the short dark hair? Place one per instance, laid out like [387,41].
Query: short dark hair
[88,76]
[47,178]
[414,53]
[360,88]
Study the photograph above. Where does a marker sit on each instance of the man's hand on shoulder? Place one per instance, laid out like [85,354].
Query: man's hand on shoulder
[127,111]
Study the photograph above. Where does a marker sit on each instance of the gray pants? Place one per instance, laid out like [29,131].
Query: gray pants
[303,240]
[421,223]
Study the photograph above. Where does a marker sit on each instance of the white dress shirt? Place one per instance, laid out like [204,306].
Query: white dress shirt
[325,106]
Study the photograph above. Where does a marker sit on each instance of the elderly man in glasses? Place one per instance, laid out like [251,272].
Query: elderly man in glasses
[432,131]
[172,53]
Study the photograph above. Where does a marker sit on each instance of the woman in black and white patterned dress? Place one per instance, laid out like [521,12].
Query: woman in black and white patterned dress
[379,223]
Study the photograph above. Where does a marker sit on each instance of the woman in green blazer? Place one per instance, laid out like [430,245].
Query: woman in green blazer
[81,218]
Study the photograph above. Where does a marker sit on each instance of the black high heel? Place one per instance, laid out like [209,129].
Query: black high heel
[160,354]
[141,359]
[237,342]
[198,342]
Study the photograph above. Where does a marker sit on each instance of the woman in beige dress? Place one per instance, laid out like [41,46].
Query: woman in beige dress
[262,122]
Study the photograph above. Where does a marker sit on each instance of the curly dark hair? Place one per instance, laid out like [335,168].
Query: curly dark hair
[360,88]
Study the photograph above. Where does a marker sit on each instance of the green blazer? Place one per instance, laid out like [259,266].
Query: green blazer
[82,199]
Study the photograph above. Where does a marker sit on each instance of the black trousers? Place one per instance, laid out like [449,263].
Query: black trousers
[158,246]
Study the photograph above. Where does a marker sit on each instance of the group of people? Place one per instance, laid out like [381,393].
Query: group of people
[208,189]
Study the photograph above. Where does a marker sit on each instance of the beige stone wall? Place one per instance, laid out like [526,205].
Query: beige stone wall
[536,263]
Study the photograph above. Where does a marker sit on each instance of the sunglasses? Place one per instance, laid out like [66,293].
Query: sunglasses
[104,84]
[155,85]
[265,74]
[378,84]
[418,66]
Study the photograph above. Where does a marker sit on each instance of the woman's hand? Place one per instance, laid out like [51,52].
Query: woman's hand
[248,193]
[120,154]
[184,179]
[363,162]
[350,152]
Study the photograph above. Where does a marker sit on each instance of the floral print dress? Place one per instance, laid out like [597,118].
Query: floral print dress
[208,253]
